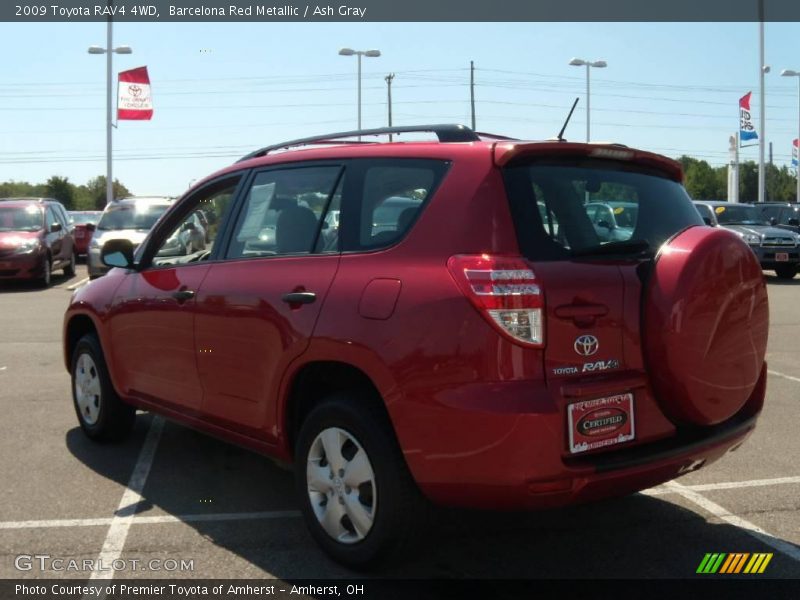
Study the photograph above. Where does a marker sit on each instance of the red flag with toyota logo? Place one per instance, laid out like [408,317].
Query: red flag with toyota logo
[134,102]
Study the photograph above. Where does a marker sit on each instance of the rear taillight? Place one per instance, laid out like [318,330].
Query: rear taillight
[505,290]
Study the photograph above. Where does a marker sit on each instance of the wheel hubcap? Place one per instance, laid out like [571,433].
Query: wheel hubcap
[341,485]
[87,389]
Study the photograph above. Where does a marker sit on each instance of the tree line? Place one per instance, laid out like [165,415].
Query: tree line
[91,196]
[704,182]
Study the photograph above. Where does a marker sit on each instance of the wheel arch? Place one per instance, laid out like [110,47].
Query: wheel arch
[313,381]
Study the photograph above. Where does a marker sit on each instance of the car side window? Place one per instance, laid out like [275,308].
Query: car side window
[50,218]
[286,212]
[390,196]
[193,238]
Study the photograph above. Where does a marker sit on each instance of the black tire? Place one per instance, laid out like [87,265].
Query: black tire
[47,273]
[786,271]
[114,419]
[400,514]
[69,269]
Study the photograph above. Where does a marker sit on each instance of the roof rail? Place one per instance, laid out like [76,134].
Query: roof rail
[445,133]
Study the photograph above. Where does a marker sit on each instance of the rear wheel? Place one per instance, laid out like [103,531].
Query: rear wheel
[69,270]
[357,496]
[102,415]
[786,271]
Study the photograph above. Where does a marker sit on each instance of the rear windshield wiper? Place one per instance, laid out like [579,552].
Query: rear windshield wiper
[634,247]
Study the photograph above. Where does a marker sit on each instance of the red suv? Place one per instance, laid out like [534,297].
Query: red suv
[35,238]
[460,335]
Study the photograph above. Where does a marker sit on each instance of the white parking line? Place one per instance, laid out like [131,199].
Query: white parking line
[77,285]
[123,517]
[730,485]
[779,374]
[721,513]
[152,520]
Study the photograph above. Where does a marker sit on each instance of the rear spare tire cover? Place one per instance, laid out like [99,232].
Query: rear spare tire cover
[706,320]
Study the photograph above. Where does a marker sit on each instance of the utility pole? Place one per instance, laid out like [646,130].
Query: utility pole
[733,169]
[763,69]
[388,79]
[472,91]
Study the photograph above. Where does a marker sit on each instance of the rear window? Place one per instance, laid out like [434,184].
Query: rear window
[581,208]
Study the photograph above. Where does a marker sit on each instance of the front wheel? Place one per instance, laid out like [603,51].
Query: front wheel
[102,415]
[47,273]
[69,270]
[357,495]
[786,271]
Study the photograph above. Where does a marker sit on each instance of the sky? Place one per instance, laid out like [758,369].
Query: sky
[221,90]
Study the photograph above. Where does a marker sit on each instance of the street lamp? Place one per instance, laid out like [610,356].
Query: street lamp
[598,64]
[359,54]
[791,73]
[108,51]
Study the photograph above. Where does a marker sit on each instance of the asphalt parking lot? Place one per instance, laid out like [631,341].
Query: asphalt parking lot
[170,494]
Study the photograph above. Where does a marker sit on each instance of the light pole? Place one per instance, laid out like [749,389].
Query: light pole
[598,64]
[108,51]
[791,73]
[359,54]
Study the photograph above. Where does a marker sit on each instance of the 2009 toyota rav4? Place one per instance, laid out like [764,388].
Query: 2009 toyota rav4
[480,346]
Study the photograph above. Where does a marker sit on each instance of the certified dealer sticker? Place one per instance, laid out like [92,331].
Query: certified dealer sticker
[601,422]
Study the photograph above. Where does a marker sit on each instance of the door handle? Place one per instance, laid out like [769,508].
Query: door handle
[572,311]
[299,298]
[183,295]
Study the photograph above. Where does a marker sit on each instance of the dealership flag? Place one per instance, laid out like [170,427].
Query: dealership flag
[746,129]
[134,102]
[795,145]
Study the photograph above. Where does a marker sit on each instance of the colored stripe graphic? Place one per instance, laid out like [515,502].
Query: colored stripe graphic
[722,563]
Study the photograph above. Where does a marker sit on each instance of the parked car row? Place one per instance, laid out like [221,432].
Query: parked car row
[777,247]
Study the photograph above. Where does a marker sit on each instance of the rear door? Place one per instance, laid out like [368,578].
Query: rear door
[257,308]
[592,285]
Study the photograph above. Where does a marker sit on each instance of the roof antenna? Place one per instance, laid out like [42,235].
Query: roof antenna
[560,137]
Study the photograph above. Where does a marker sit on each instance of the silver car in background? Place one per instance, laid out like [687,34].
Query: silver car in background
[129,219]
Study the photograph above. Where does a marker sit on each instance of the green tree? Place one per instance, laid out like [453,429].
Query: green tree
[96,190]
[62,190]
[701,181]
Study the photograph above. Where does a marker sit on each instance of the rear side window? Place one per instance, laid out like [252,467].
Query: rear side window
[566,210]
[390,195]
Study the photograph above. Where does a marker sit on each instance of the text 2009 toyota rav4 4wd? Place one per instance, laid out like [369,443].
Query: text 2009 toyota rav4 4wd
[458,336]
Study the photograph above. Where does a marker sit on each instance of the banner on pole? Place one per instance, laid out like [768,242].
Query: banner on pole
[746,129]
[795,153]
[134,102]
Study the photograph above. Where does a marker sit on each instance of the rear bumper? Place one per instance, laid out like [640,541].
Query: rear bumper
[518,461]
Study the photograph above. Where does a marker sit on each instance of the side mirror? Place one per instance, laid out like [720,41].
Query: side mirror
[707,221]
[117,253]
[793,222]
[91,227]
[604,224]
[55,227]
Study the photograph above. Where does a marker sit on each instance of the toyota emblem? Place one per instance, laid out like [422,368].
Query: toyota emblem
[586,345]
